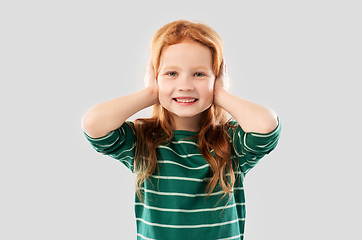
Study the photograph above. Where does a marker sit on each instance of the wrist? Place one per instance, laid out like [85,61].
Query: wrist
[151,95]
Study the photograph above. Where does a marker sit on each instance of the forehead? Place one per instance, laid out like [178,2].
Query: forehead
[187,52]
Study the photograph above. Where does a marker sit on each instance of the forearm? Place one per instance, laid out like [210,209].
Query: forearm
[252,117]
[107,116]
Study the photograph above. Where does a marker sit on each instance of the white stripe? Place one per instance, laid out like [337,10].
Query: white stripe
[242,176]
[245,145]
[190,226]
[263,146]
[143,237]
[233,237]
[125,161]
[127,150]
[188,179]
[229,238]
[183,156]
[187,194]
[236,151]
[107,145]
[101,138]
[181,194]
[122,158]
[187,142]
[188,211]
[234,146]
[180,178]
[179,164]
[253,160]
[242,165]
[268,134]
[238,172]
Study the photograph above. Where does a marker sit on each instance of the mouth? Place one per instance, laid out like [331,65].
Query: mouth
[185,100]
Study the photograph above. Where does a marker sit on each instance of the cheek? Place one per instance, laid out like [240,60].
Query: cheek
[209,88]
[163,90]
[209,84]
[207,91]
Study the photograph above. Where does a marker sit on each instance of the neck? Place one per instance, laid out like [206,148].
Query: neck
[187,123]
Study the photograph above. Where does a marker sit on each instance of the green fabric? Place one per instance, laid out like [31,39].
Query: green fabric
[175,204]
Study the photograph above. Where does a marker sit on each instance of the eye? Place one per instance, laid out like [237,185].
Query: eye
[199,74]
[171,74]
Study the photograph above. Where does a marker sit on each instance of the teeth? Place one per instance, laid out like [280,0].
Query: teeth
[184,100]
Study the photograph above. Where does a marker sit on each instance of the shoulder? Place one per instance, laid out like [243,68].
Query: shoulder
[255,142]
[233,126]
[129,125]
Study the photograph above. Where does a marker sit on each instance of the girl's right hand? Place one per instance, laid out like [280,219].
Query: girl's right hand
[150,80]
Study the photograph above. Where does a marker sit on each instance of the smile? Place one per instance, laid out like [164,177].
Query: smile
[185,100]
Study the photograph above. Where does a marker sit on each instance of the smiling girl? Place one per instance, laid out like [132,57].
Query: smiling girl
[190,161]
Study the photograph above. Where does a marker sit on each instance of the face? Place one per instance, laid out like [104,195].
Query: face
[186,80]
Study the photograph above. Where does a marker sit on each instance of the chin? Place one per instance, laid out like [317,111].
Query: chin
[185,115]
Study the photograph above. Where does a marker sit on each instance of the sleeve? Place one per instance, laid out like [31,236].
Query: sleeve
[250,147]
[119,144]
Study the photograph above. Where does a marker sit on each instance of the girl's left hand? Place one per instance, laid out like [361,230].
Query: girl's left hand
[223,80]
[221,85]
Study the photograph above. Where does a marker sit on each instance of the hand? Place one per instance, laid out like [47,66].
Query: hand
[221,85]
[223,80]
[150,80]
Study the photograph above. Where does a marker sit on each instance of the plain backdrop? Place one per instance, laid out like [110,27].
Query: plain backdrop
[303,59]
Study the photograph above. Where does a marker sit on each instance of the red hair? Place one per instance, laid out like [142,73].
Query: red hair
[213,127]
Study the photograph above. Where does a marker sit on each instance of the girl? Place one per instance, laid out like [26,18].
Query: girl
[189,159]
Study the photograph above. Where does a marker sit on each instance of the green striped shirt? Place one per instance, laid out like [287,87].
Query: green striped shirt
[175,204]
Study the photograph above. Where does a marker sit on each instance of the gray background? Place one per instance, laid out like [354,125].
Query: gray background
[59,58]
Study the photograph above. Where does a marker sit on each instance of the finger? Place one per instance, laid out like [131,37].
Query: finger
[222,68]
[147,74]
[151,68]
[150,64]
[224,65]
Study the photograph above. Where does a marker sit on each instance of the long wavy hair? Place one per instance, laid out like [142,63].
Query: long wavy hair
[212,135]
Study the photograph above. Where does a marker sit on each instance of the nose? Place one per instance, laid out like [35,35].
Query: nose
[185,84]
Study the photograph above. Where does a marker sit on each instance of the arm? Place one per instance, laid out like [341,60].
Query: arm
[251,117]
[107,116]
